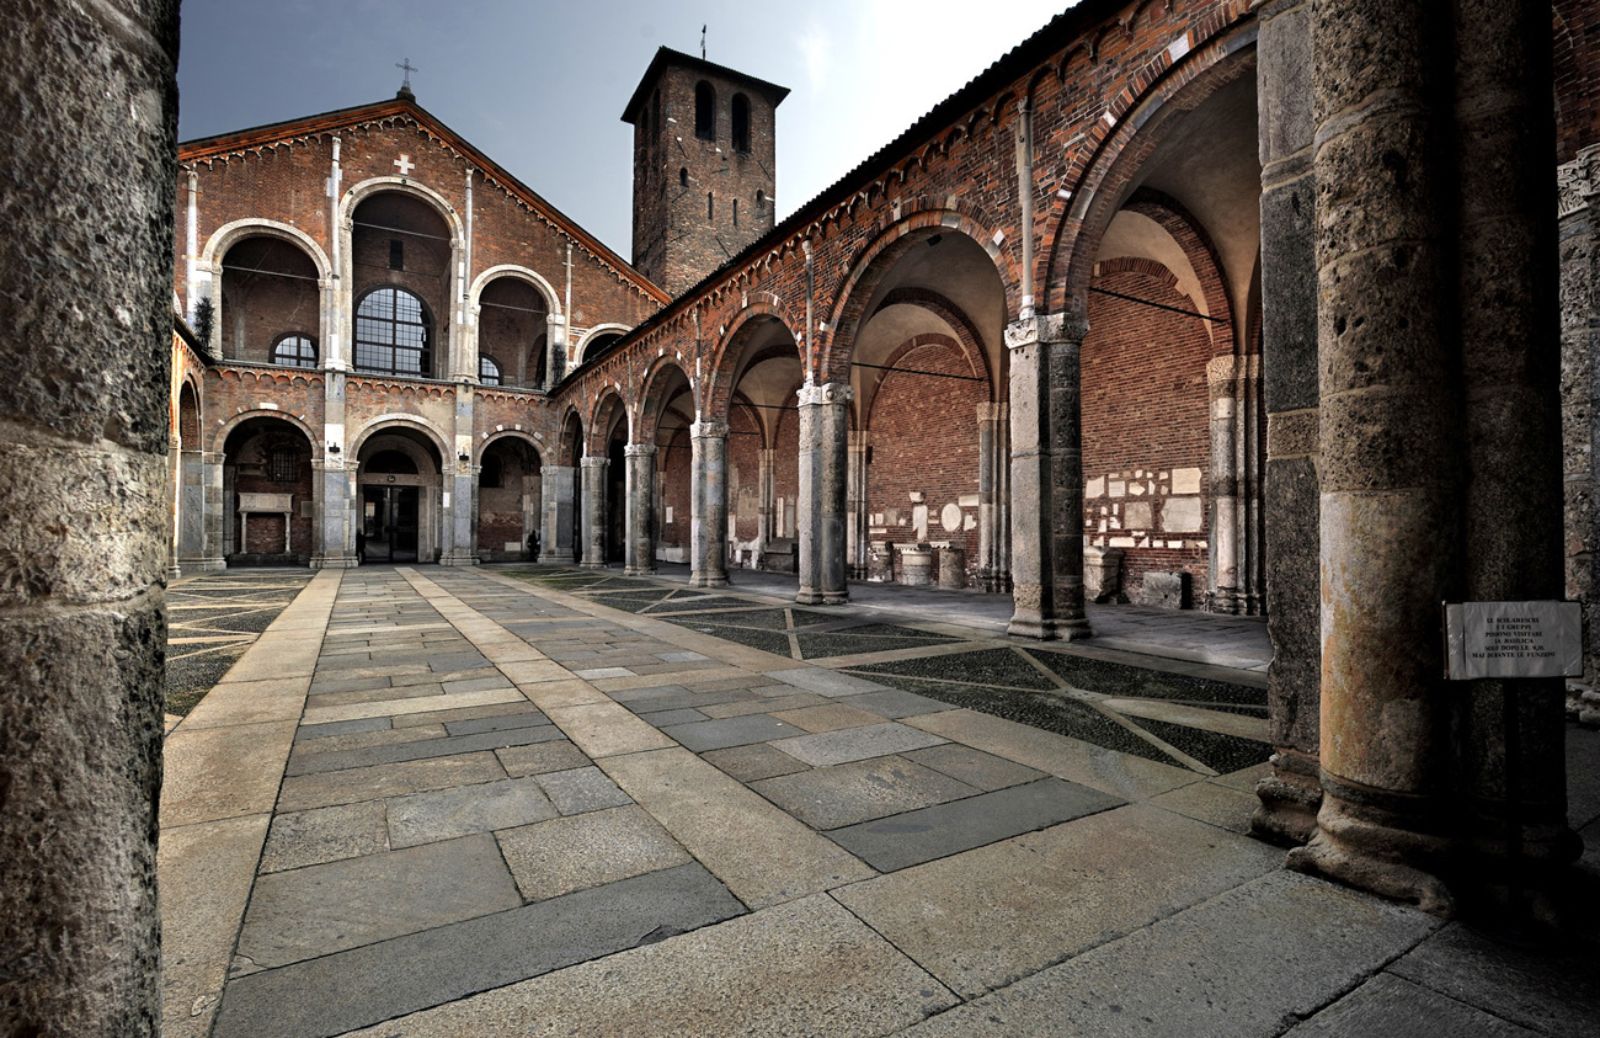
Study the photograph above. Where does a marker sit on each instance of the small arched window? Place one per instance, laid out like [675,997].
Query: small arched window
[393,333]
[683,176]
[711,206]
[741,123]
[295,351]
[761,200]
[736,212]
[488,371]
[705,111]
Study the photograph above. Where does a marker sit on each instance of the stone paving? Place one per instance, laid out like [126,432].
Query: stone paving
[212,619]
[537,801]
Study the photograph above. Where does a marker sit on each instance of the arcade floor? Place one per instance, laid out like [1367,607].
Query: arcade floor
[536,800]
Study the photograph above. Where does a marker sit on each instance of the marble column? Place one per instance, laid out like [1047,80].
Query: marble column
[556,488]
[460,546]
[337,516]
[992,570]
[1292,791]
[1046,477]
[1224,594]
[594,511]
[191,511]
[216,507]
[820,514]
[1512,734]
[1389,430]
[858,537]
[91,171]
[1578,206]
[640,554]
[708,521]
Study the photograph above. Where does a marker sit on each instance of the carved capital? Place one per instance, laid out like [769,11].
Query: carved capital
[1040,328]
[1578,181]
[708,430]
[826,393]
[593,462]
[640,450]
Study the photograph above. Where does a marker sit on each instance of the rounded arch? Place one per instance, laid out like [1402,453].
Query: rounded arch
[512,270]
[359,193]
[653,399]
[875,261]
[225,427]
[603,414]
[1077,224]
[570,436]
[489,439]
[580,349]
[733,356]
[191,418]
[230,234]
[393,420]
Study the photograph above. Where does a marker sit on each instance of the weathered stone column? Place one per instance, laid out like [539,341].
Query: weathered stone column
[858,537]
[1513,738]
[556,488]
[820,511]
[1388,432]
[1223,596]
[594,511]
[766,461]
[992,575]
[85,287]
[335,513]
[1578,207]
[1292,792]
[460,476]
[216,497]
[708,499]
[641,493]
[1046,477]
[191,511]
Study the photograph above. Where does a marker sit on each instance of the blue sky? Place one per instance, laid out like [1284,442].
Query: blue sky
[540,86]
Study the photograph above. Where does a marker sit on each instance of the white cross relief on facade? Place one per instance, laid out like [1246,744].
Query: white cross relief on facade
[405,165]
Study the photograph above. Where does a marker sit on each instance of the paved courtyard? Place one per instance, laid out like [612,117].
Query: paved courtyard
[533,800]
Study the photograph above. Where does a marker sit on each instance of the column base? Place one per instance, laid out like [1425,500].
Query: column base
[836,598]
[557,558]
[334,561]
[586,564]
[1382,843]
[174,572]
[1583,704]
[458,560]
[1289,796]
[213,564]
[708,580]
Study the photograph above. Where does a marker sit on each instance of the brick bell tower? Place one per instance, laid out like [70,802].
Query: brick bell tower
[704,166]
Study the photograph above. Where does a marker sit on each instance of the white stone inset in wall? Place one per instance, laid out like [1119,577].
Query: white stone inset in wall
[970,522]
[1117,488]
[1136,515]
[967,500]
[1095,487]
[950,517]
[919,521]
[1182,514]
[1186,481]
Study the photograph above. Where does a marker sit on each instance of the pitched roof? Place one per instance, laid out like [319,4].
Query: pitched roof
[400,105]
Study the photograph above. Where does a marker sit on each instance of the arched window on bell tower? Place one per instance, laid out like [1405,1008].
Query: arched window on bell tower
[705,111]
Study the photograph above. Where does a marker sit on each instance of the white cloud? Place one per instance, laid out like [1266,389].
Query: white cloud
[816,49]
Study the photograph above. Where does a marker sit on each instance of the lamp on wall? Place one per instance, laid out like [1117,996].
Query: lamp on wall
[463,456]
[333,448]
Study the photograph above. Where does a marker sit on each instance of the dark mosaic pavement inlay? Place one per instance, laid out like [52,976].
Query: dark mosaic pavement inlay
[991,666]
[212,619]
[1216,750]
[1116,679]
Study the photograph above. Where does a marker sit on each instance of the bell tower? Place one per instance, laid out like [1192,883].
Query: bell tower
[704,160]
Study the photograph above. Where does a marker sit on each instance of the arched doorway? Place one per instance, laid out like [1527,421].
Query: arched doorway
[509,500]
[399,513]
[267,494]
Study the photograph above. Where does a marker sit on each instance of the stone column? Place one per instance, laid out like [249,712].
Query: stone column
[1512,734]
[217,505]
[708,501]
[336,517]
[192,511]
[641,493]
[1046,477]
[1388,431]
[460,480]
[594,511]
[992,575]
[766,460]
[858,535]
[820,511]
[1291,793]
[1224,595]
[556,489]
[1578,205]
[82,617]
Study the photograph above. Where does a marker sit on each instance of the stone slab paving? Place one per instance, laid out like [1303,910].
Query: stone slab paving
[432,817]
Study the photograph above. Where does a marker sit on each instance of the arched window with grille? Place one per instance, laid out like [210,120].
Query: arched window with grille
[393,334]
[295,351]
[705,111]
[740,123]
[488,371]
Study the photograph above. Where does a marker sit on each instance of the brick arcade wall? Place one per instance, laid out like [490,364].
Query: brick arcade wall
[263,533]
[786,469]
[500,531]
[673,479]
[744,473]
[258,309]
[923,438]
[1146,435]
[1577,74]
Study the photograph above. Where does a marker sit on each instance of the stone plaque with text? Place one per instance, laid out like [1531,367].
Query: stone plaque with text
[1513,640]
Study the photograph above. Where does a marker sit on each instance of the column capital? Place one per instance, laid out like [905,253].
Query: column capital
[708,429]
[1041,328]
[640,450]
[1578,181]
[594,461]
[813,394]
[551,470]
[988,412]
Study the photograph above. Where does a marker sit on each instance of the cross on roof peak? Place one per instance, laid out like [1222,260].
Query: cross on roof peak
[405,85]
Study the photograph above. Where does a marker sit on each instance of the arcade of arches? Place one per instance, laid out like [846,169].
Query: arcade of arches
[1249,308]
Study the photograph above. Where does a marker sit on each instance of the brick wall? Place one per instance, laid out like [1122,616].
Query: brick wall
[1146,436]
[923,438]
[263,533]
[674,478]
[744,472]
[1577,70]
